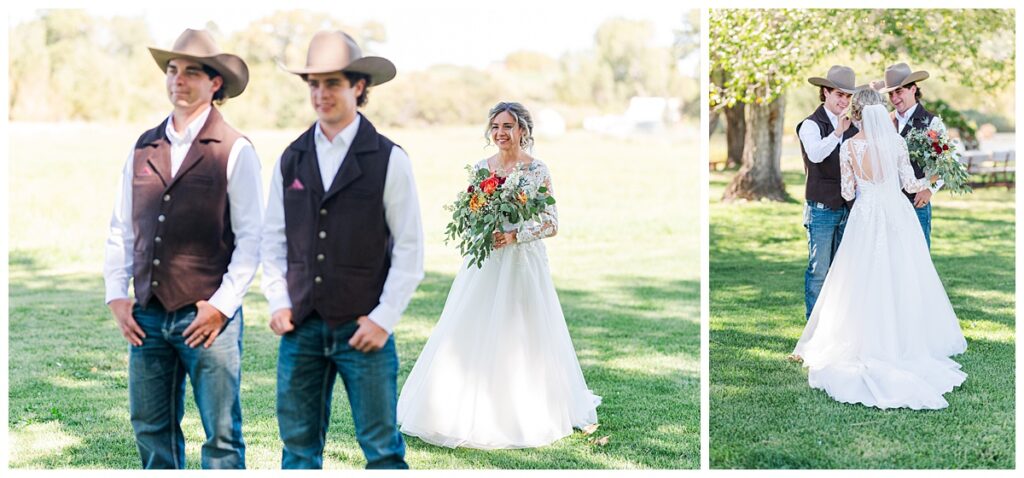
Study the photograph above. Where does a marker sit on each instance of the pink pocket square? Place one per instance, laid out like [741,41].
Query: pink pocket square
[297,185]
[145,171]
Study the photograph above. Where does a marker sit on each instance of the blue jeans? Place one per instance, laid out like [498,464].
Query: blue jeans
[824,232]
[924,216]
[309,360]
[156,389]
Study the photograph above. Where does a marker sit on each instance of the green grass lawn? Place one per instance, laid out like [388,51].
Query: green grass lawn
[625,262]
[762,412]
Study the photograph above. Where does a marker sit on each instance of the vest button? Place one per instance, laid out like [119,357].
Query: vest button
[154,283]
[157,240]
[323,234]
[167,197]
[156,262]
[323,212]
[161,218]
[317,279]
[319,257]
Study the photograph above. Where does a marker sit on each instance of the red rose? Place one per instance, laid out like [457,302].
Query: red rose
[470,189]
[501,180]
[490,184]
[945,147]
[937,149]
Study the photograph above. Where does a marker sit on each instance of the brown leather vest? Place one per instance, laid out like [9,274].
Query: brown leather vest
[183,237]
[339,244]
[824,179]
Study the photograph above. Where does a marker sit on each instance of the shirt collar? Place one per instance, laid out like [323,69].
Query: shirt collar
[910,112]
[345,137]
[191,130]
[832,117]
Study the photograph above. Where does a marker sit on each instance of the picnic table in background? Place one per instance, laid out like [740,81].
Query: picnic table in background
[990,168]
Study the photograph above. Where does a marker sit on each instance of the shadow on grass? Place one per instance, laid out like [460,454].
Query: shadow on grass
[763,414]
[68,378]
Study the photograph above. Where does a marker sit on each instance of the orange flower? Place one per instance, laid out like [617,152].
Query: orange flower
[476,202]
[522,197]
[490,184]
[933,134]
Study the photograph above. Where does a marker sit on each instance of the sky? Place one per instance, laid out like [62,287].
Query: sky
[419,34]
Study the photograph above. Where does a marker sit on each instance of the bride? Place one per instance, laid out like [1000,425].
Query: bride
[883,328]
[499,369]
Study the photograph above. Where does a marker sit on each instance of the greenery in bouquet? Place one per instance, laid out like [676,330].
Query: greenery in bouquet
[936,154]
[487,204]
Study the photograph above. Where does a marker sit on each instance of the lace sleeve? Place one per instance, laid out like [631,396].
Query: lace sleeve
[547,224]
[908,180]
[848,181]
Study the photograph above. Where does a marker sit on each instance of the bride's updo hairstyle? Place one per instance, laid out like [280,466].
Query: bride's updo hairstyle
[861,98]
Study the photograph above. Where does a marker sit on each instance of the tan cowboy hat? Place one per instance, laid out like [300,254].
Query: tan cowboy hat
[198,46]
[899,74]
[331,51]
[838,77]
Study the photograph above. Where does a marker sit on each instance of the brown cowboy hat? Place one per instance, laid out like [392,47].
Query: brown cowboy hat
[198,46]
[839,77]
[899,75]
[332,51]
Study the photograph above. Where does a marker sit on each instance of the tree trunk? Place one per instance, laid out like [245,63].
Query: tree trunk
[735,131]
[713,118]
[760,177]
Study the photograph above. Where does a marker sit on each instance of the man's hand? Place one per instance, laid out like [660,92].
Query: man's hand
[205,328]
[843,124]
[281,321]
[922,198]
[369,337]
[122,310]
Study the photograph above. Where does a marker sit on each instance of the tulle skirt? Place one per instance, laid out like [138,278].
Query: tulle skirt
[883,329]
[499,370]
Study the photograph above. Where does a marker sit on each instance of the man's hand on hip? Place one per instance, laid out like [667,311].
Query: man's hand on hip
[205,328]
[369,337]
[281,321]
[122,310]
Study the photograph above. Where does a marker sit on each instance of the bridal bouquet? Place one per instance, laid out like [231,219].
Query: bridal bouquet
[934,152]
[487,203]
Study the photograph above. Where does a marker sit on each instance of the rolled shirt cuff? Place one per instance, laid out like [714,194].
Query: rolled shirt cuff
[385,316]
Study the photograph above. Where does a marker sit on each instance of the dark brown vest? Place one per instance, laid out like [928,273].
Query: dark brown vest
[921,119]
[183,237]
[339,244]
[824,179]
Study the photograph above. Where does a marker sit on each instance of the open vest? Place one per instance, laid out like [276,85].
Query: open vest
[921,119]
[824,179]
[182,224]
[339,244]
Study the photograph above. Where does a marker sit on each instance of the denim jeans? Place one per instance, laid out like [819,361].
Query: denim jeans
[309,360]
[924,216]
[156,389]
[824,232]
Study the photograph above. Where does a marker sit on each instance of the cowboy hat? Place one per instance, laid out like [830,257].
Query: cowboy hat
[899,75]
[839,78]
[198,46]
[333,51]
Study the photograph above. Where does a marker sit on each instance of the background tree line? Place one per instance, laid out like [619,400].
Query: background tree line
[757,56]
[68,65]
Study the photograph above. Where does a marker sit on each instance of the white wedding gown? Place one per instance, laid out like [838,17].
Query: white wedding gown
[499,370]
[883,329]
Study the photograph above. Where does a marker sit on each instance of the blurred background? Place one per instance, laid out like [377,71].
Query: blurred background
[614,94]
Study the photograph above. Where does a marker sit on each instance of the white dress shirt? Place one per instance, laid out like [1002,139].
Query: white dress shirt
[936,124]
[816,147]
[245,200]
[401,212]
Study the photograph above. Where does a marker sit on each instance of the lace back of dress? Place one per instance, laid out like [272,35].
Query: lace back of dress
[877,163]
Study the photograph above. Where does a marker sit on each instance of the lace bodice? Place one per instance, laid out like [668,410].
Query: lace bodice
[851,156]
[536,174]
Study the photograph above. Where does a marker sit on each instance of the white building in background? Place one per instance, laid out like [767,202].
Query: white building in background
[548,124]
[645,114]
